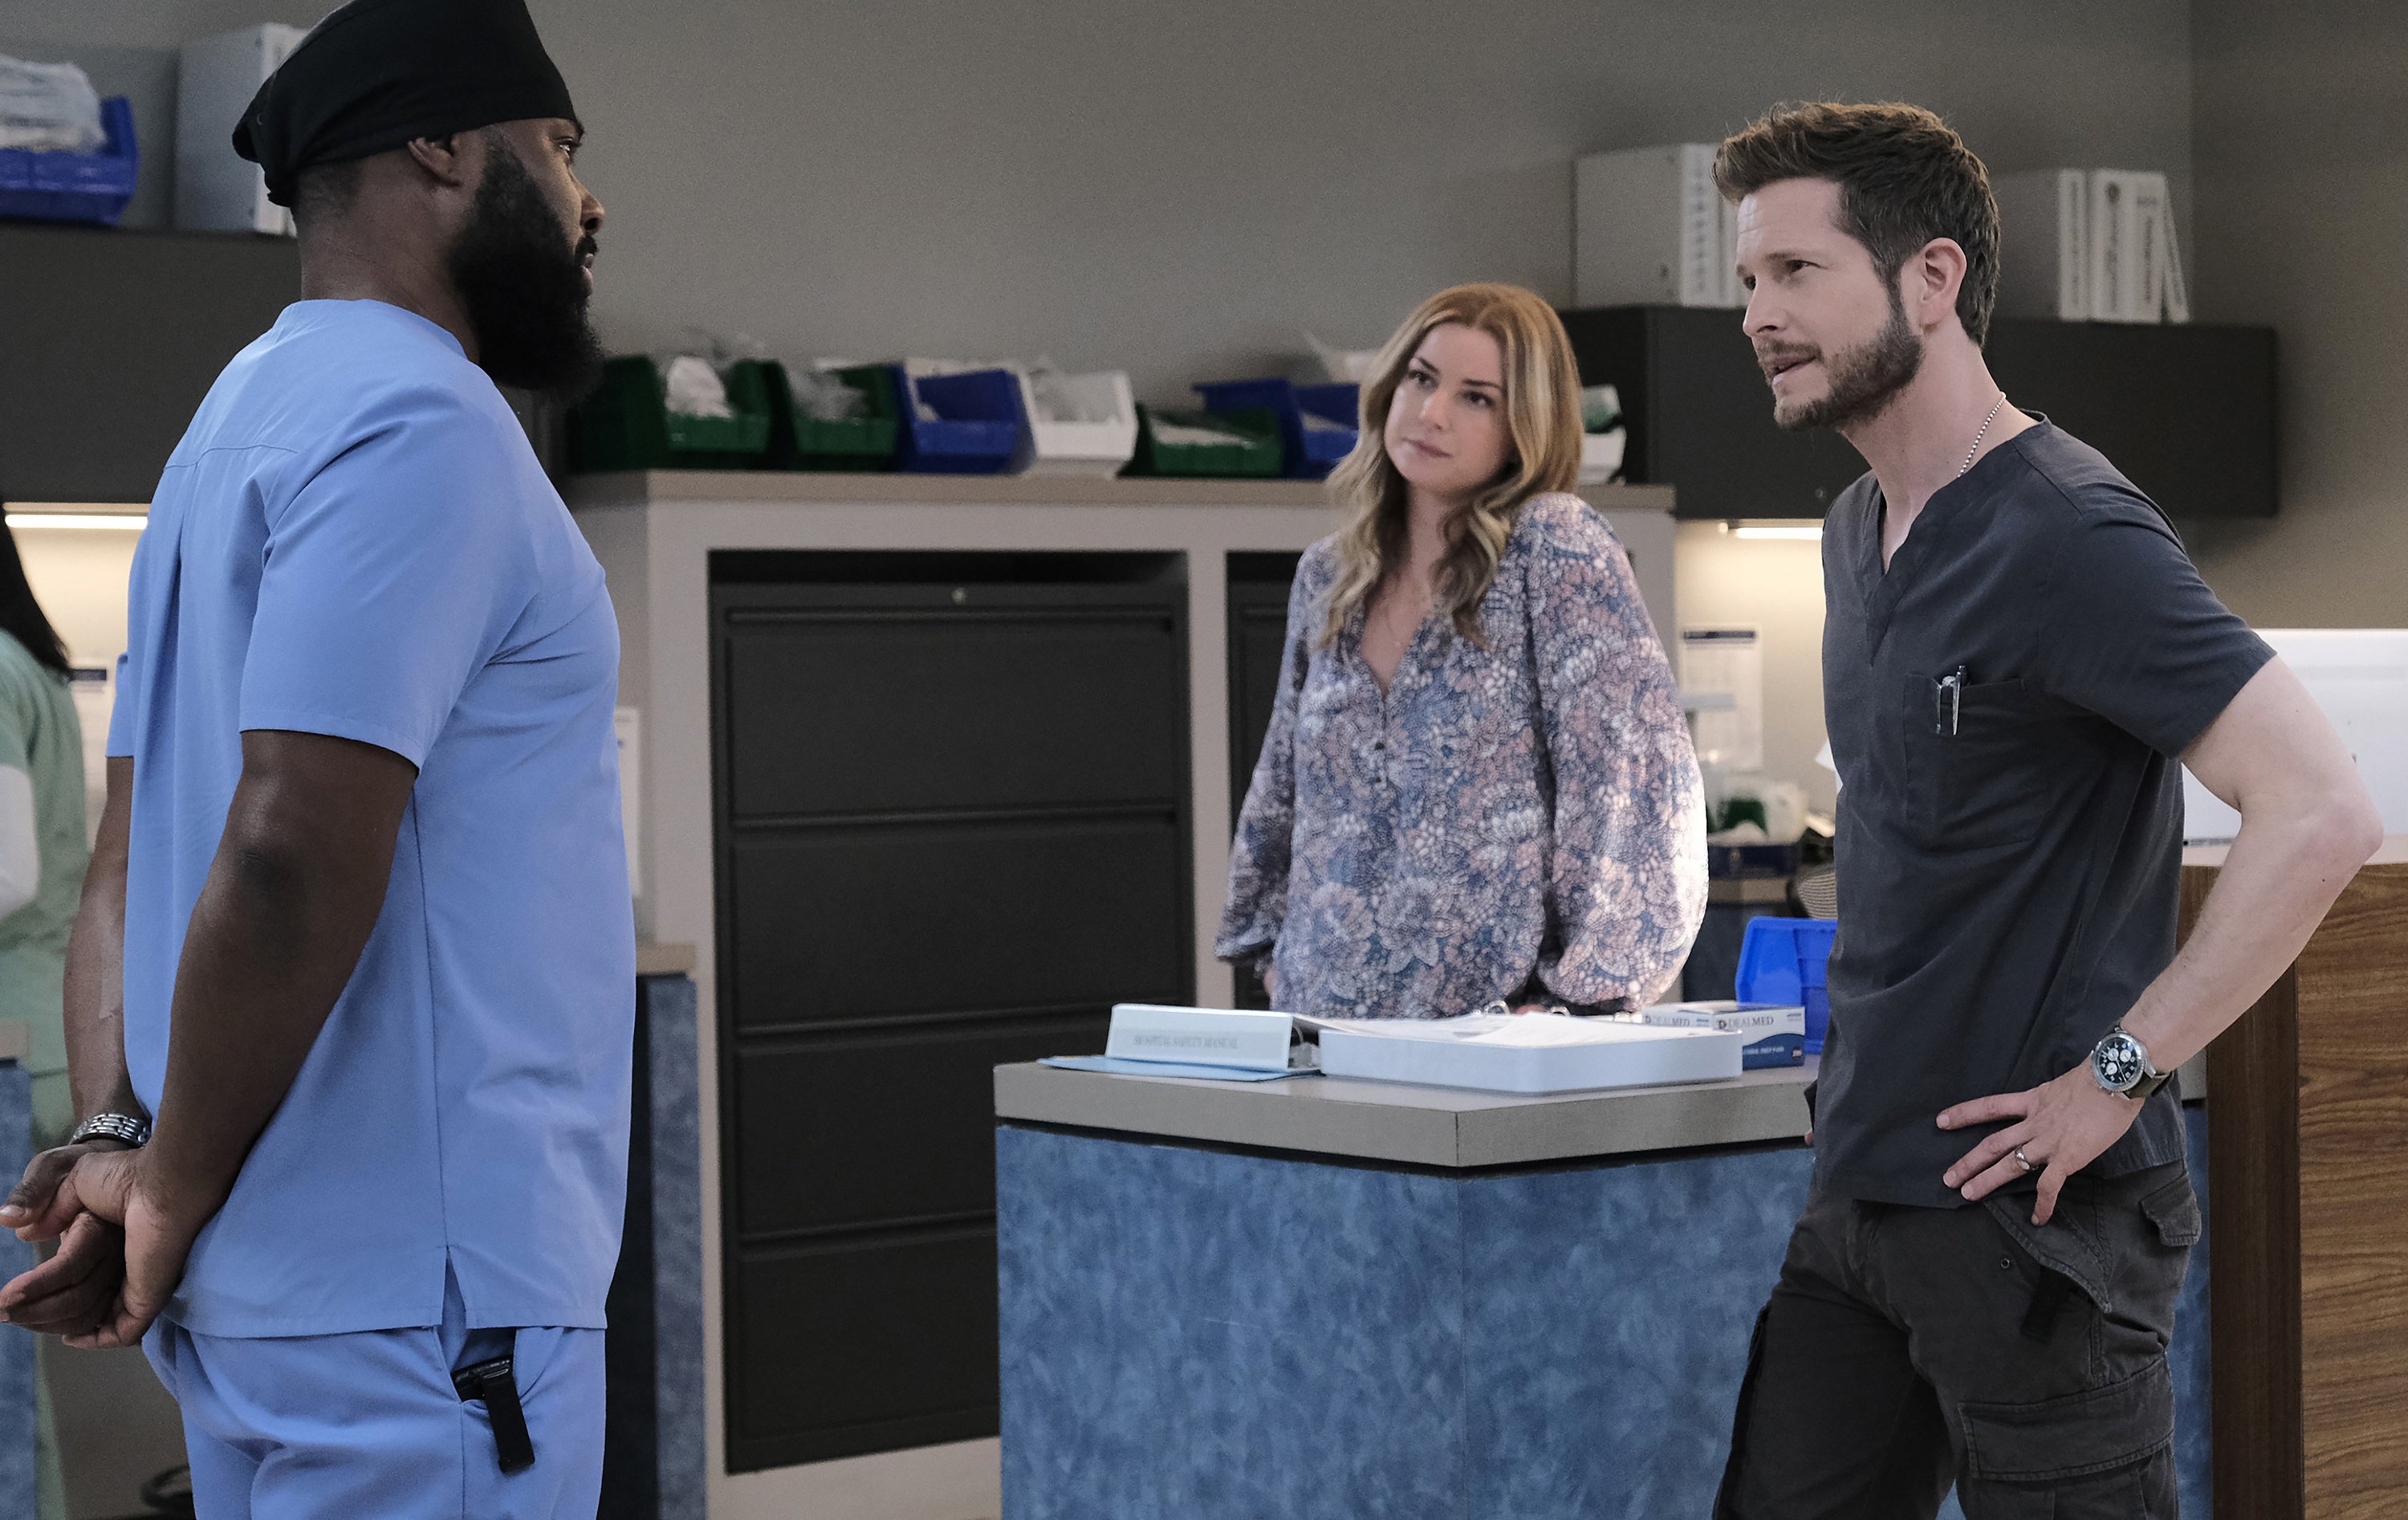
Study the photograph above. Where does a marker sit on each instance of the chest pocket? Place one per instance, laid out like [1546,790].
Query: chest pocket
[1975,773]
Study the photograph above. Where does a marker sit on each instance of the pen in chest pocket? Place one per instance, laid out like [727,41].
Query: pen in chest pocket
[1945,694]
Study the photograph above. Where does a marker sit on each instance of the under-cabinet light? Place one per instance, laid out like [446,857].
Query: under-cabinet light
[117,522]
[1803,532]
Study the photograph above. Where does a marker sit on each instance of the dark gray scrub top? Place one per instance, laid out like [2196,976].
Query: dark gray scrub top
[2009,870]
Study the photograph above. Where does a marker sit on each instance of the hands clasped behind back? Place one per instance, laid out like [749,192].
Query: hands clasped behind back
[123,1238]
[71,1291]
[74,1291]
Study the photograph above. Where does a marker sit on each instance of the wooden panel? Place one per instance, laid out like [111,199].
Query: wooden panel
[2353,1180]
[2254,1251]
[2308,1147]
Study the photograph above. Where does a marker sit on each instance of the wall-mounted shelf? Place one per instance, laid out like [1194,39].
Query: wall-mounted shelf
[2186,411]
[657,487]
[109,339]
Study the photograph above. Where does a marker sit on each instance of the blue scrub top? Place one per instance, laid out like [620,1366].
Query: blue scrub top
[354,538]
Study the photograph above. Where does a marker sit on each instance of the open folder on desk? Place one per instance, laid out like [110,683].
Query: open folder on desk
[1122,1065]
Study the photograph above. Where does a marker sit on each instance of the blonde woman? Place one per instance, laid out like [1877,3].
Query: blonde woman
[1477,784]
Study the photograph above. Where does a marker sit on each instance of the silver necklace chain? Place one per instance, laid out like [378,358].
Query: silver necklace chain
[1984,432]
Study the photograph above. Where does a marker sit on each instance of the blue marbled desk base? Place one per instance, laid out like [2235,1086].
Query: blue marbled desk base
[1194,1334]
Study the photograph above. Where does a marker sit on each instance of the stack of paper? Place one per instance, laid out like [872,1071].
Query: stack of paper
[1523,1052]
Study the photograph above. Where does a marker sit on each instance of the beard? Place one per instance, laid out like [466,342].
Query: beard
[521,280]
[1862,380]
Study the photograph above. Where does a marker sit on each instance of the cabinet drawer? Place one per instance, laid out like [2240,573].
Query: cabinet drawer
[951,916]
[863,1347]
[836,710]
[884,1125]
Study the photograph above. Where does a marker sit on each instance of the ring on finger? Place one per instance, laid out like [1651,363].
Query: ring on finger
[2026,1162]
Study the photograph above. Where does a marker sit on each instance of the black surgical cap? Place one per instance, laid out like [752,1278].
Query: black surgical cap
[378,73]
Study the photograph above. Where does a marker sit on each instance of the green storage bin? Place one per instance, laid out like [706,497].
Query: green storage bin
[798,441]
[1259,455]
[626,424]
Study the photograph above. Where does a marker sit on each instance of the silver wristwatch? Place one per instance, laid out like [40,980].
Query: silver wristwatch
[2121,1065]
[117,1127]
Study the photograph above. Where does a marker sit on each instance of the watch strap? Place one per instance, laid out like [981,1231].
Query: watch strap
[123,1128]
[2147,1087]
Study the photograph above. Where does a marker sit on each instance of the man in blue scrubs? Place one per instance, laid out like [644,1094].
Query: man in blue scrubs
[362,851]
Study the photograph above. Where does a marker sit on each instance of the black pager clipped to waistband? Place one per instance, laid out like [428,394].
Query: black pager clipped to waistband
[493,1382]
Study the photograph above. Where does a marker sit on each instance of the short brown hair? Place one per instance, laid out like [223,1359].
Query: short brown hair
[1905,177]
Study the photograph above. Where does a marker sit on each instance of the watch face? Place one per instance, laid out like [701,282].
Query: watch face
[2117,1063]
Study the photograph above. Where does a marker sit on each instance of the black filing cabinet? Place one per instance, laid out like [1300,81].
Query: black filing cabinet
[1699,417]
[952,829]
[1258,587]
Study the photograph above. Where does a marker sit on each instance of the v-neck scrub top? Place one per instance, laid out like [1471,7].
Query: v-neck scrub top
[354,539]
[2007,704]
[1529,807]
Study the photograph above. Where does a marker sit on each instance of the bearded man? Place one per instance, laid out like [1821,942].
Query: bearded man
[2018,661]
[350,991]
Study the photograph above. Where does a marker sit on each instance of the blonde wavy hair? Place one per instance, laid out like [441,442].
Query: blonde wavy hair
[1543,423]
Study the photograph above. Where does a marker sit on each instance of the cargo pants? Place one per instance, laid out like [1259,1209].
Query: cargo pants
[1906,1348]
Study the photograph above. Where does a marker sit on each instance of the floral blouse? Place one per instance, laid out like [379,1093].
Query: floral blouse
[1529,808]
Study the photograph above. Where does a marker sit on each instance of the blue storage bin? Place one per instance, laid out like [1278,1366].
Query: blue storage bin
[1310,453]
[1783,960]
[75,187]
[982,426]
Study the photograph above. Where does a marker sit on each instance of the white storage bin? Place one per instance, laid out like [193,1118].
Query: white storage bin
[1078,424]
[217,189]
[1601,456]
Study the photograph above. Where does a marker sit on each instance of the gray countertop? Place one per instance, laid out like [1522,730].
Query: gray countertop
[1430,1127]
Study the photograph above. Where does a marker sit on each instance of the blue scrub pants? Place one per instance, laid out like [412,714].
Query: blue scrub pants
[306,1427]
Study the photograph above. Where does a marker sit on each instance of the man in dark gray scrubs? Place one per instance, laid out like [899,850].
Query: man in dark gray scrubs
[2018,659]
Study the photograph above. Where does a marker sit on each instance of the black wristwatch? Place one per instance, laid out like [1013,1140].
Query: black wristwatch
[2121,1063]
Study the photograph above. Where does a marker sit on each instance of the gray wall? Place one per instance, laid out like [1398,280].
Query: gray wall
[1178,191]
[2302,174]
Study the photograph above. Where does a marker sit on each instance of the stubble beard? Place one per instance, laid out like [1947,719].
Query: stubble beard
[1862,380]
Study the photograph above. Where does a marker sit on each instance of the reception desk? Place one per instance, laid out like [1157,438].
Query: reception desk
[1329,1298]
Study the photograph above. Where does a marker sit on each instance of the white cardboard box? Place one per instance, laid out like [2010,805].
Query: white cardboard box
[216,190]
[1602,1053]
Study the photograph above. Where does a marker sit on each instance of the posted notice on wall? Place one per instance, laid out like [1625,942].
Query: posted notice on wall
[1722,686]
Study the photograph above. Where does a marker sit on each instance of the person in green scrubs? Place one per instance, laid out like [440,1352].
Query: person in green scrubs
[42,853]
